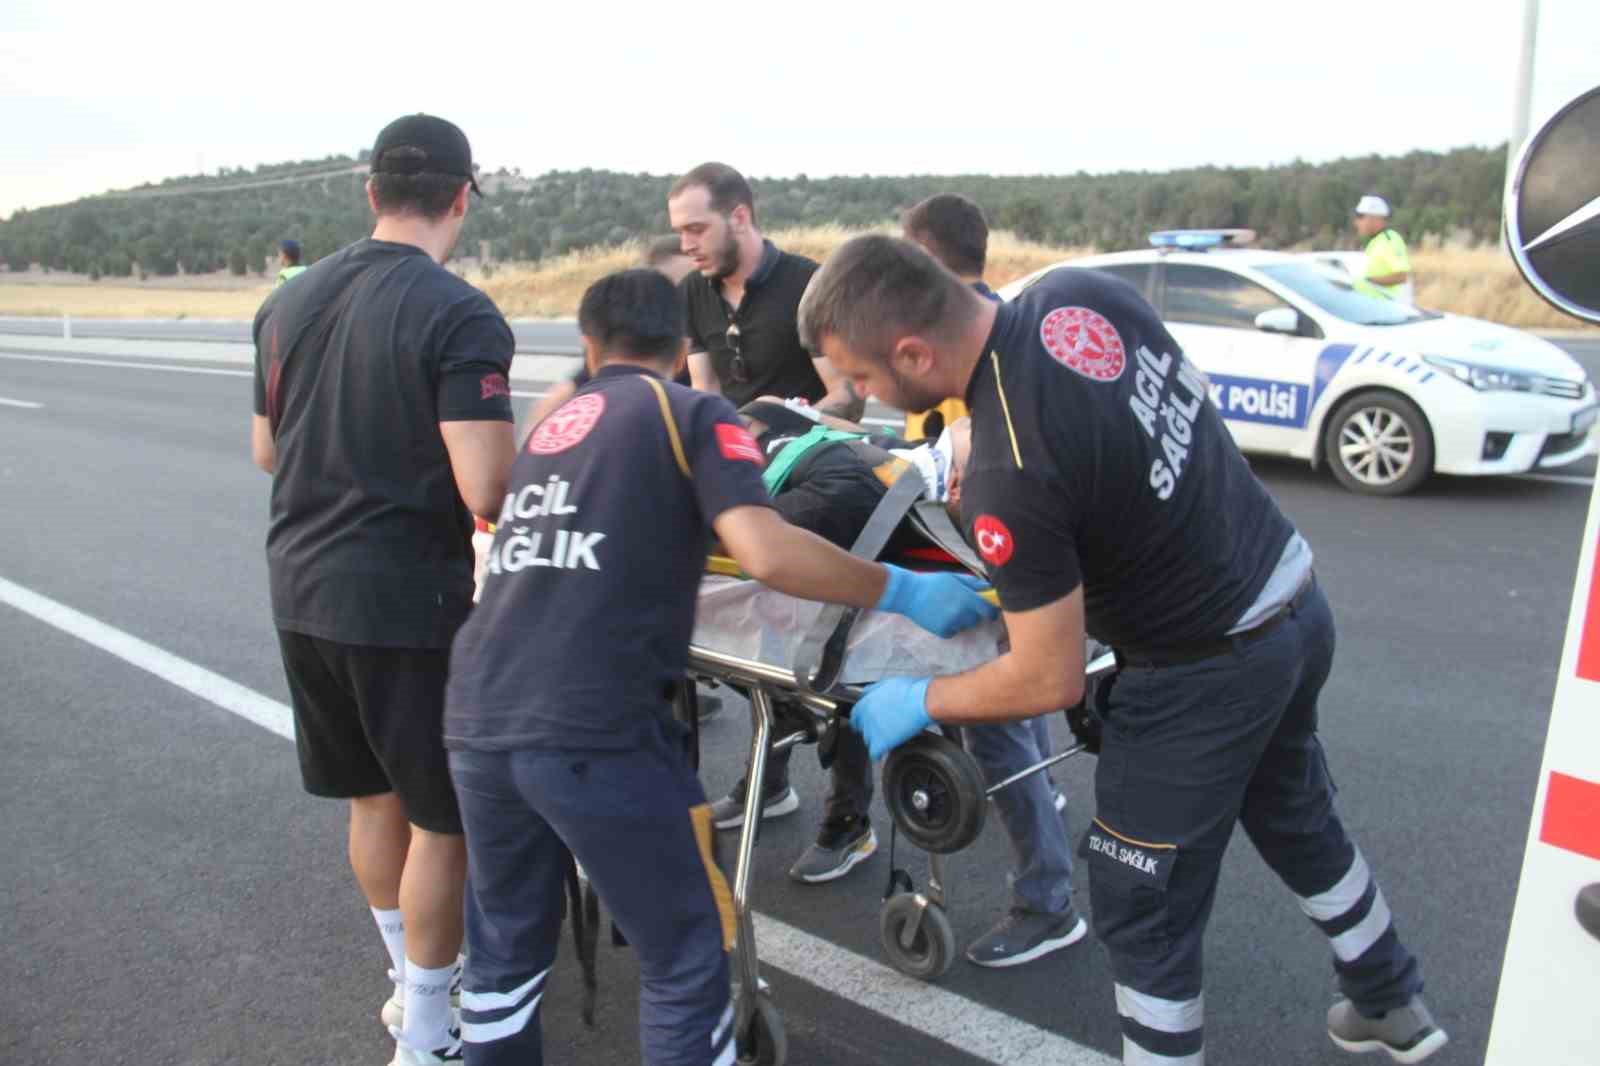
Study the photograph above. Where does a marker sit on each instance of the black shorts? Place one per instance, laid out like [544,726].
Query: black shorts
[370,720]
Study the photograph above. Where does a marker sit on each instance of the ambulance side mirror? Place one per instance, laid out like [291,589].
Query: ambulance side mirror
[1279,320]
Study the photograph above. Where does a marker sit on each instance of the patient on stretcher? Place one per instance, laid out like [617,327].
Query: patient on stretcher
[826,475]
[829,476]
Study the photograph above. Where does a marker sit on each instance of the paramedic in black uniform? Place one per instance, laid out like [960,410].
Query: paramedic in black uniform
[558,721]
[1040,918]
[1104,492]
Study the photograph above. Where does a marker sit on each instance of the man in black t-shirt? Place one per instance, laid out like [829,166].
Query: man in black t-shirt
[559,720]
[742,299]
[383,413]
[1105,493]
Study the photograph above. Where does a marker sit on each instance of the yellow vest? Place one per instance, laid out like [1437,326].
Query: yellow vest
[288,274]
[1386,254]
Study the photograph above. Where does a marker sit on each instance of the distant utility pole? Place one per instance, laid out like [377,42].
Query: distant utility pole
[1524,94]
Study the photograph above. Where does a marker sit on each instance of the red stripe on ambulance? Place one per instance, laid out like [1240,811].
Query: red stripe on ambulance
[1572,815]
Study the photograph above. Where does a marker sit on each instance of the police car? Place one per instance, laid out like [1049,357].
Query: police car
[1304,363]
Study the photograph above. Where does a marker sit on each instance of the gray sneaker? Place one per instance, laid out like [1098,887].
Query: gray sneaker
[1023,935]
[728,812]
[841,845]
[1407,1033]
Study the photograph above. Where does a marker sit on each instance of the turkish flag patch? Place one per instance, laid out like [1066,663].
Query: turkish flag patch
[994,540]
[494,385]
[737,443]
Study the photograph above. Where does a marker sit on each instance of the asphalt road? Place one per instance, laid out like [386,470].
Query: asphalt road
[168,894]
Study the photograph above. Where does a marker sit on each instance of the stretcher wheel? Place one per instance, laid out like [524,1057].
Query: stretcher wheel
[936,793]
[916,936]
[763,1043]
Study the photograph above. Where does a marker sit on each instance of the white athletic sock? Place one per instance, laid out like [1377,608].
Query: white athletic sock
[392,927]
[427,1006]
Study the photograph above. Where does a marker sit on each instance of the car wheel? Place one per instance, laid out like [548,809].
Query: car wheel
[1378,444]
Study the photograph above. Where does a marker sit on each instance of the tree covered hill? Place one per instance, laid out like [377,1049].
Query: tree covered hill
[234,219]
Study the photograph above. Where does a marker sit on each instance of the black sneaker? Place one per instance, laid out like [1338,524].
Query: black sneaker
[728,812]
[841,845]
[1023,935]
[1407,1033]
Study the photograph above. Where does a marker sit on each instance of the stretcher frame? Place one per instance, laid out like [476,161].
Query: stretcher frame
[757,1021]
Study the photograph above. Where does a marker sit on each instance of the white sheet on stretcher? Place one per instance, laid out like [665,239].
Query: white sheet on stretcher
[751,621]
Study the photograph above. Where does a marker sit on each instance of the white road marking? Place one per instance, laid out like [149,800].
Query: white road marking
[1559,479]
[981,1031]
[85,361]
[27,404]
[231,696]
[81,361]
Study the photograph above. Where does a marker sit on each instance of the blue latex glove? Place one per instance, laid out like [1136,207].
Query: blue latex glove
[891,712]
[944,604]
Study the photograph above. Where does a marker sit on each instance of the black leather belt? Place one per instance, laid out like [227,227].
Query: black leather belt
[1199,651]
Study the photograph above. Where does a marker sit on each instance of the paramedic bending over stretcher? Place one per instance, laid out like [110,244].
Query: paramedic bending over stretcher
[830,487]
[1103,490]
[557,717]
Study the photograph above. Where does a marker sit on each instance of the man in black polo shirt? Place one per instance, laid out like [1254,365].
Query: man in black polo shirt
[559,726]
[383,413]
[1105,493]
[742,299]
[744,343]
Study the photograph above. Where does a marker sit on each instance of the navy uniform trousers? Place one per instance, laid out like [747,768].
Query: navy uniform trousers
[638,823]
[1188,750]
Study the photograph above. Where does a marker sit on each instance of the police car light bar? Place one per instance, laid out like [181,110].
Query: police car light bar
[1201,239]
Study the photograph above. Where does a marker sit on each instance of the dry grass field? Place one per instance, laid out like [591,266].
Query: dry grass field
[1480,282]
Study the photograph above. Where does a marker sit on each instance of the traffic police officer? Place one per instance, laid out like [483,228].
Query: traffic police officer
[1388,266]
[289,265]
[1105,493]
[558,719]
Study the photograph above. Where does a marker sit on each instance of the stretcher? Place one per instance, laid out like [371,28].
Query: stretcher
[802,666]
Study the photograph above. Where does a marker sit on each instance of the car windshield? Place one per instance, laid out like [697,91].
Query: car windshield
[1342,296]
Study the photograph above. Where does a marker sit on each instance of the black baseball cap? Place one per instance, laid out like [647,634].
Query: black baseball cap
[432,146]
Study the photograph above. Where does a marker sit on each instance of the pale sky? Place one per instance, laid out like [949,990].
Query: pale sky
[99,95]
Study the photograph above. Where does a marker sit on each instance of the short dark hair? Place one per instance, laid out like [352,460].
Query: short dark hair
[428,195]
[953,228]
[636,314]
[290,249]
[662,249]
[725,186]
[875,289]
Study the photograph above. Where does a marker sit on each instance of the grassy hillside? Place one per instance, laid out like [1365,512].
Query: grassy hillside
[232,221]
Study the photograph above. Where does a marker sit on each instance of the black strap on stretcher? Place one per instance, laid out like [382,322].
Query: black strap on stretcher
[820,657]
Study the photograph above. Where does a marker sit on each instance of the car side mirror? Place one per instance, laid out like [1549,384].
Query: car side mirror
[1279,320]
